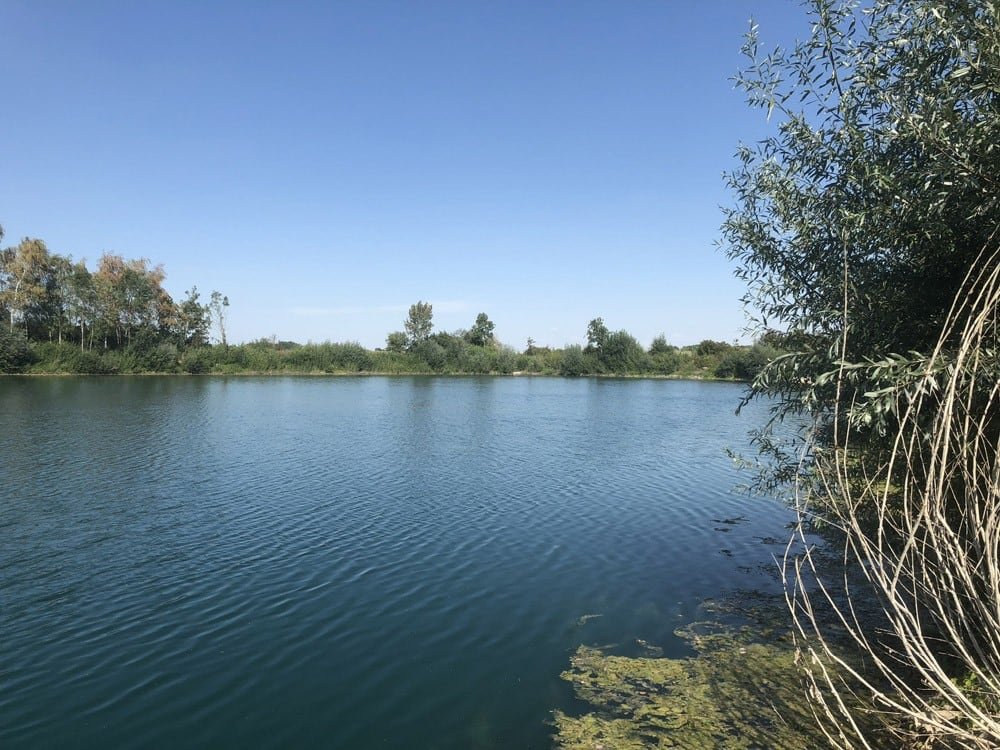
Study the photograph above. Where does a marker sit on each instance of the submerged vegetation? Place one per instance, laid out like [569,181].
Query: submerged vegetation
[60,317]
[735,694]
[743,688]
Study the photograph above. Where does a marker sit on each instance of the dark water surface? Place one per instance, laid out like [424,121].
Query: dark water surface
[349,562]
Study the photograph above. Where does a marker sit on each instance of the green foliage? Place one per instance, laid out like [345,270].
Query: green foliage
[329,357]
[122,361]
[866,208]
[25,283]
[15,355]
[477,360]
[350,357]
[418,324]
[453,344]
[257,358]
[396,342]
[743,363]
[61,317]
[660,346]
[505,361]
[432,354]
[481,333]
[198,361]
[193,320]
[573,363]
[621,353]
[219,305]
[55,357]
[665,363]
[164,357]
[709,348]
[398,363]
[597,334]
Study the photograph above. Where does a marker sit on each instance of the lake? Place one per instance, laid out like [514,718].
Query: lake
[351,562]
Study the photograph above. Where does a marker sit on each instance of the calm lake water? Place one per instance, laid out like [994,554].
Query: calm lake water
[350,562]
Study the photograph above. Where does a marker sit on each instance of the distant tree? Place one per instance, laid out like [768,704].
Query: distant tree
[530,349]
[194,319]
[220,306]
[481,333]
[597,335]
[128,295]
[396,341]
[23,272]
[621,353]
[49,314]
[775,339]
[711,348]
[743,363]
[660,346]
[418,324]
[81,302]
[665,362]
[138,292]
[167,314]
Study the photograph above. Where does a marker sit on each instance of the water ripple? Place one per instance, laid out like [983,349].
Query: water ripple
[401,562]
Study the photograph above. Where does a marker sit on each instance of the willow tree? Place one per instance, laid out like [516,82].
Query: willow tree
[863,227]
[857,221]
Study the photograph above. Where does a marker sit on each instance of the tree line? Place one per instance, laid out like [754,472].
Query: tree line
[53,307]
[59,316]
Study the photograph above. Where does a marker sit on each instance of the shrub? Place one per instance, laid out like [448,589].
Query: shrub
[744,363]
[622,353]
[350,357]
[573,363]
[122,361]
[198,361]
[15,355]
[709,348]
[432,353]
[477,359]
[665,362]
[160,358]
[506,360]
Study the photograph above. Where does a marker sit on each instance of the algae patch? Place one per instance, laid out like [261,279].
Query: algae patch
[737,693]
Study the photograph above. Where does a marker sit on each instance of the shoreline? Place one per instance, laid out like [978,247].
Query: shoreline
[369,374]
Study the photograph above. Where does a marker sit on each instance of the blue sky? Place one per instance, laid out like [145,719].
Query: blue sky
[327,164]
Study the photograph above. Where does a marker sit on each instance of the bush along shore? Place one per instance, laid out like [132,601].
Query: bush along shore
[443,354]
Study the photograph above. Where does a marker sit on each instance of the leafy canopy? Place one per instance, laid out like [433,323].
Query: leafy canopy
[856,222]
[418,324]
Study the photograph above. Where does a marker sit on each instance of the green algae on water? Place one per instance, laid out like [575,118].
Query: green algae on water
[737,693]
